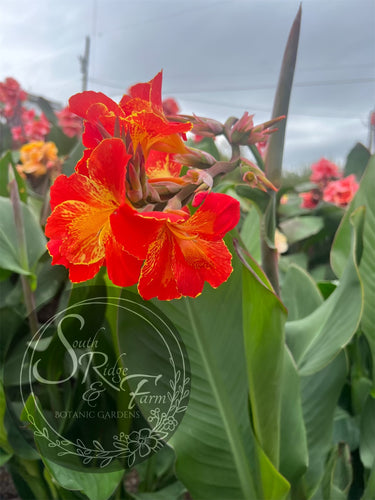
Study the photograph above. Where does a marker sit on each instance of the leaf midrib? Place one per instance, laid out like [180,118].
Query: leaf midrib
[235,442]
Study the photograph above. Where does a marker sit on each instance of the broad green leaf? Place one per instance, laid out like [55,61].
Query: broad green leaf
[96,486]
[260,198]
[63,143]
[175,491]
[9,250]
[4,445]
[369,493]
[5,162]
[47,109]
[319,337]
[250,233]
[28,479]
[292,207]
[293,459]
[357,161]
[285,261]
[367,439]
[263,324]
[299,293]
[74,156]
[320,393]
[341,249]
[300,228]
[217,456]
[338,475]
[346,429]
[4,457]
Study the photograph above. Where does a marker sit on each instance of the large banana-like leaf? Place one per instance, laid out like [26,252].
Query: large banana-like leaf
[341,250]
[316,339]
[217,456]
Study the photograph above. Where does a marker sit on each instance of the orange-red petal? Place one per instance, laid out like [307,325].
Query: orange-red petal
[80,103]
[123,269]
[161,165]
[218,214]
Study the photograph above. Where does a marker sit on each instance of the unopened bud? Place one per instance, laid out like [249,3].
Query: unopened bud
[195,176]
[206,127]
[196,158]
[243,132]
[255,177]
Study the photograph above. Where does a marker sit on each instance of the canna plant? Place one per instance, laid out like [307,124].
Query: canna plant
[282,397]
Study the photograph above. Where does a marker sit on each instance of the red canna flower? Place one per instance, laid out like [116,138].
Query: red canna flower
[139,113]
[162,166]
[180,252]
[79,228]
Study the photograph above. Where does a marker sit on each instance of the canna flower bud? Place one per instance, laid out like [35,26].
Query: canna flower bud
[255,177]
[205,127]
[243,132]
[196,158]
[137,189]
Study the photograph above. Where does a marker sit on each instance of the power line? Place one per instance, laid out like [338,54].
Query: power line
[352,81]
[268,110]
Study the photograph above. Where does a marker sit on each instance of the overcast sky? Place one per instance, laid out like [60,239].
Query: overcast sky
[220,58]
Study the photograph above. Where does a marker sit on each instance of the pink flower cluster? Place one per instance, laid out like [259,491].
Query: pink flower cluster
[24,124]
[32,127]
[11,95]
[70,123]
[330,186]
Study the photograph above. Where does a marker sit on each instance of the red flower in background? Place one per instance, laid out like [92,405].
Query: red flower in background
[70,123]
[310,199]
[79,229]
[180,252]
[324,171]
[139,113]
[11,95]
[341,192]
[170,106]
[32,128]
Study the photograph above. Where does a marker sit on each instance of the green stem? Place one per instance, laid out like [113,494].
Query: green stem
[22,249]
[257,156]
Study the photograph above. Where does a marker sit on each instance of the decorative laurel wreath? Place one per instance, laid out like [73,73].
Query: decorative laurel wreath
[139,443]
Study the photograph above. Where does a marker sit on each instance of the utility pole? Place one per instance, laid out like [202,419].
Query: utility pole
[84,60]
[371,129]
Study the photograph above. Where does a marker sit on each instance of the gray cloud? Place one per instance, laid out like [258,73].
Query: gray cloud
[220,57]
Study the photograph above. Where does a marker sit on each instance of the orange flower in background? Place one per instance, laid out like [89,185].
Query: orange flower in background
[37,157]
[139,113]
[79,229]
[180,252]
[341,192]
